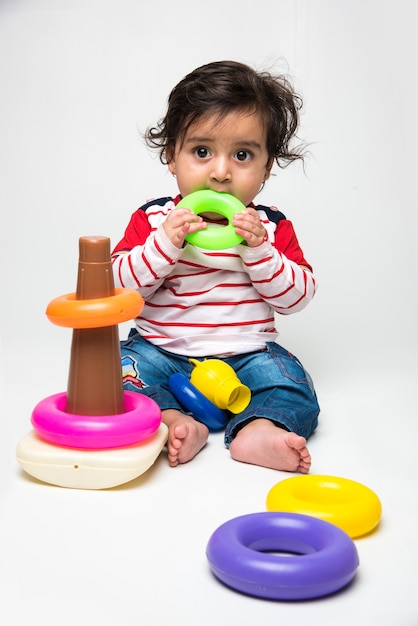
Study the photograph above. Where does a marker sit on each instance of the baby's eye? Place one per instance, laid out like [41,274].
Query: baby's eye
[201,152]
[242,155]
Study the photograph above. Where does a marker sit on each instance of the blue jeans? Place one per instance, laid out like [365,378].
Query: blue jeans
[281,390]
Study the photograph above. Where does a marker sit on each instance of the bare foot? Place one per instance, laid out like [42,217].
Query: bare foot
[186,436]
[261,442]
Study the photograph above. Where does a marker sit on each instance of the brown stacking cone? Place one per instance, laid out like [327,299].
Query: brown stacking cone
[95,374]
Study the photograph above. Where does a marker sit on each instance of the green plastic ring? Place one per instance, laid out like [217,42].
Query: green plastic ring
[213,237]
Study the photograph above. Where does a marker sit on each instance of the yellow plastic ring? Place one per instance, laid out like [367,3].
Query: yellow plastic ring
[70,312]
[351,506]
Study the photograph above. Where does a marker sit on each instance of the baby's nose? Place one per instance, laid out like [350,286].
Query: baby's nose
[220,170]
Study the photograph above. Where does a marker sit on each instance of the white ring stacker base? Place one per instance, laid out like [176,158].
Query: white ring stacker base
[88,469]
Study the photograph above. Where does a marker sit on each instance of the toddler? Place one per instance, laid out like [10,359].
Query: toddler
[224,128]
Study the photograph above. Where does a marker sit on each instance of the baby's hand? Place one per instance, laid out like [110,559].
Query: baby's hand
[180,223]
[248,225]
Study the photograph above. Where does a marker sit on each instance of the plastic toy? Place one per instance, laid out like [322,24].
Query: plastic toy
[138,422]
[194,401]
[213,237]
[351,506]
[88,469]
[71,312]
[96,435]
[219,383]
[319,558]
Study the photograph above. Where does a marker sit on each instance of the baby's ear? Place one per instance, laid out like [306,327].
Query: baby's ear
[171,167]
[169,159]
[268,168]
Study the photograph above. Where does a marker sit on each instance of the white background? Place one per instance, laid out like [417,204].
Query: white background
[80,80]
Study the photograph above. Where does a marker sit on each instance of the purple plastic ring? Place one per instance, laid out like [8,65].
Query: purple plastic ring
[317,559]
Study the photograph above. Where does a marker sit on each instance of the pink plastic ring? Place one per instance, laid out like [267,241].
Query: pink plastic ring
[53,424]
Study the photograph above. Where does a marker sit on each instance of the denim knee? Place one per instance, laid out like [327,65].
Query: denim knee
[282,392]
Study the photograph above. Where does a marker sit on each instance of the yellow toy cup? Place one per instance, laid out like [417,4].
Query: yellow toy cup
[219,383]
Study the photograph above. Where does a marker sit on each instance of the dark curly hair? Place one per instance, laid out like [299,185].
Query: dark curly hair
[225,86]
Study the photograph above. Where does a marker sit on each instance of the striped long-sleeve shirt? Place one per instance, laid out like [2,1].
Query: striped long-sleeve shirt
[206,303]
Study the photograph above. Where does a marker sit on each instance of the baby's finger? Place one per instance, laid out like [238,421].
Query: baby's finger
[181,216]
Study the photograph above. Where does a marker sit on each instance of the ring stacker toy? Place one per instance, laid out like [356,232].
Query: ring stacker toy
[213,237]
[351,506]
[282,556]
[95,436]
[193,400]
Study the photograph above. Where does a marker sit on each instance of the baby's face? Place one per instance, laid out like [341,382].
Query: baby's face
[229,156]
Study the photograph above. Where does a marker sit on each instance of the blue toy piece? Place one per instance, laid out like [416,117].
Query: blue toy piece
[194,401]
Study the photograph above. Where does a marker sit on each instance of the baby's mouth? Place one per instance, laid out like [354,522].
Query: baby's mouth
[214,218]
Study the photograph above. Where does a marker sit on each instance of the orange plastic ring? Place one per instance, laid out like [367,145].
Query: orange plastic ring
[70,312]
